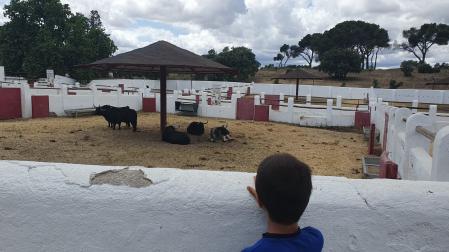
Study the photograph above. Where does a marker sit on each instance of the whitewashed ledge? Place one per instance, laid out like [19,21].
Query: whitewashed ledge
[53,207]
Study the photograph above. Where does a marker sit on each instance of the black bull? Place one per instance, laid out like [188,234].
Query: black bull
[115,116]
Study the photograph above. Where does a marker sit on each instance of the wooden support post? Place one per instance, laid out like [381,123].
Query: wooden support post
[297,89]
[163,88]
[372,139]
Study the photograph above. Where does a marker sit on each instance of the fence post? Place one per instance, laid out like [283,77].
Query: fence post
[309,99]
[63,96]
[339,101]
[281,97]
[257,100]
[415,105]
[291,103]
[433,113]
[93,89]
[440,171]
[25,97]
[234,98]
[329,108]
[239,94]
[262,97]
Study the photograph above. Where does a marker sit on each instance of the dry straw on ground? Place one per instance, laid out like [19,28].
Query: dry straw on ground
[87,140]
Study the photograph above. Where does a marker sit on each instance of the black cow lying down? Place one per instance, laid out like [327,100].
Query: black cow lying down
[114,116]
[220,133]
[172,136]
[196,128]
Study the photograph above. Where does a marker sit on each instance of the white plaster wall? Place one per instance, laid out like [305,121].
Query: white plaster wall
[400,95]
[171,84]
[2,73]
[139,83]
[62,80]
[44,91]
[56,105]
[52,207]
[78,101]
[227,111]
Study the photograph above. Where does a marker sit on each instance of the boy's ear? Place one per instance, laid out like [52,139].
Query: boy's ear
[253,193]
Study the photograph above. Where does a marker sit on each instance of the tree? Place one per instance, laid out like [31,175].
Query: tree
[408,66]
[286,52]
[367,38]
[46,34]
[95,20]
[211,54]
[239,58]
[339,62]
[308,46]
[279,58]
[419,41]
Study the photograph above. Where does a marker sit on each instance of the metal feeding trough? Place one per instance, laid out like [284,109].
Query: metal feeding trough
[371,165]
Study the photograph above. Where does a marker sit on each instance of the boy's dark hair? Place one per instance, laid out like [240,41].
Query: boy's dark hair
[284,185]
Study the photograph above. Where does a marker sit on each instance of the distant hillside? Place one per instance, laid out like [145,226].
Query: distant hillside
[363,79]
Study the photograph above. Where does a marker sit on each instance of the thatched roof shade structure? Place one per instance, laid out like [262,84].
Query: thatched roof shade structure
[444,81]
[163,58]
[298,74]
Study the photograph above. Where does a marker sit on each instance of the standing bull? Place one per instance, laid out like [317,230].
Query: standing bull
[220,133]
[116,116]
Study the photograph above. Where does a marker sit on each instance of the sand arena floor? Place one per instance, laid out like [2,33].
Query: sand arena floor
[88,140]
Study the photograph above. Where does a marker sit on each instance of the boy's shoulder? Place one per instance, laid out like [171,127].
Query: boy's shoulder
[307,239]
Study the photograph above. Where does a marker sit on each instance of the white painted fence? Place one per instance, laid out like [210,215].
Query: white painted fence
[54,207]
[306,114]
[419,157]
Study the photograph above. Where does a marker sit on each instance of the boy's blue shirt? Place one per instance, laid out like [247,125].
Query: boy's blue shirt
[308,239]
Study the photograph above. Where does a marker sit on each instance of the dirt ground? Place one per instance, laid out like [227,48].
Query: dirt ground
[88,140]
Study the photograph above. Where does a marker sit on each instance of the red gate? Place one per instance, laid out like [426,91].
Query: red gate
[40,106]
[262,113]
[149,104]
[245,108]
[10,103]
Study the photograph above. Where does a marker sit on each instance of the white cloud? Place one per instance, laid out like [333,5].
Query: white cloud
[262,25]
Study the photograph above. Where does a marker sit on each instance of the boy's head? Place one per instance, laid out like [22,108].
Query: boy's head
[283,186]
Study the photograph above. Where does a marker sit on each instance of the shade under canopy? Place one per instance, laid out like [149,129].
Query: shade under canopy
[298,74]
[161,57]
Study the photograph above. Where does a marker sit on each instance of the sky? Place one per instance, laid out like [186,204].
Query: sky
[262,25]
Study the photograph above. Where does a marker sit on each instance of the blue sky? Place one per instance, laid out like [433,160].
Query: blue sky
[263,25]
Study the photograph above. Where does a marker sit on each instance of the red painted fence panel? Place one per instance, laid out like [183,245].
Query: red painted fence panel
[40,106]
[10,103]
[245,108]
[272,100]
[149,104]
[362,119]
[388,169]
[262,113]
